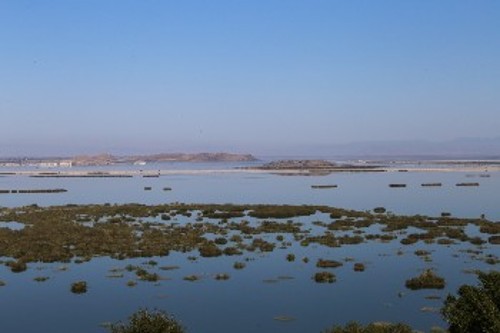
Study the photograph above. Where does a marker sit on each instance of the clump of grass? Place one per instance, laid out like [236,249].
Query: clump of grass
[239,265]
[79,287]
[422,253]
[427,280]
[146,276]
[220,241]
[145,321]
[495,240]
[17,266]
[209,250]
[41,278]
[324,277]
[232,251]
[290,257]
[222,276]
[359,267]
[191,278]
[131,283]
[323,263]
[262,245]
[2,283]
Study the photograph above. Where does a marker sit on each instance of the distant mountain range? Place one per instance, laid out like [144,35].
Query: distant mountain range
[461,148]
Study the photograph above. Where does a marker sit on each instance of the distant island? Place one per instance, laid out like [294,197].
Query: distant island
[108,159]
[313,165]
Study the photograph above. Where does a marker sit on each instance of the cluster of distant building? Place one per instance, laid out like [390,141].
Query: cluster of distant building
[37,164]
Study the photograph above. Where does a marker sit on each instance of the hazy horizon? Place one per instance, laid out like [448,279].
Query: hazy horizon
[458,148]
[260,77]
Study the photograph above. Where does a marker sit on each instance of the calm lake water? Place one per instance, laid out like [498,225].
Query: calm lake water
[269,286]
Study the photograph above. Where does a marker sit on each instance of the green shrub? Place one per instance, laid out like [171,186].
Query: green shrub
[476,309]
[427,280]
[145,321]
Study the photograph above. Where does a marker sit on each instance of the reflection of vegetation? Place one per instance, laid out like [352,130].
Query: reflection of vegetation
[476,309]
[427,280]
[41,278]
[145,321]
[354,327]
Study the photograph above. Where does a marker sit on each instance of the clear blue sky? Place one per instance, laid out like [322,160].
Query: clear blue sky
[246,76]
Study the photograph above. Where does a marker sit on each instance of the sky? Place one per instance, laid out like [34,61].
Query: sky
[260,76]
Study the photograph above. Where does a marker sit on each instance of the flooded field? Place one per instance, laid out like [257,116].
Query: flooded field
[209,252]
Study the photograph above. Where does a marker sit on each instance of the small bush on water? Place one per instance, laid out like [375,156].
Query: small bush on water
[145,321]
[17,266]
[427,280]
[79,287]
[324,277]
[359,267]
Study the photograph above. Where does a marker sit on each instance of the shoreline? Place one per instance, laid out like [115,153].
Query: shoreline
[93,173]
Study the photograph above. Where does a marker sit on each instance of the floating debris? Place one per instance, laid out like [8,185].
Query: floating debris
[284,318]
[467,184]
[323,186]
[191,278]
[34,191]
[168,268]
[285,277]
